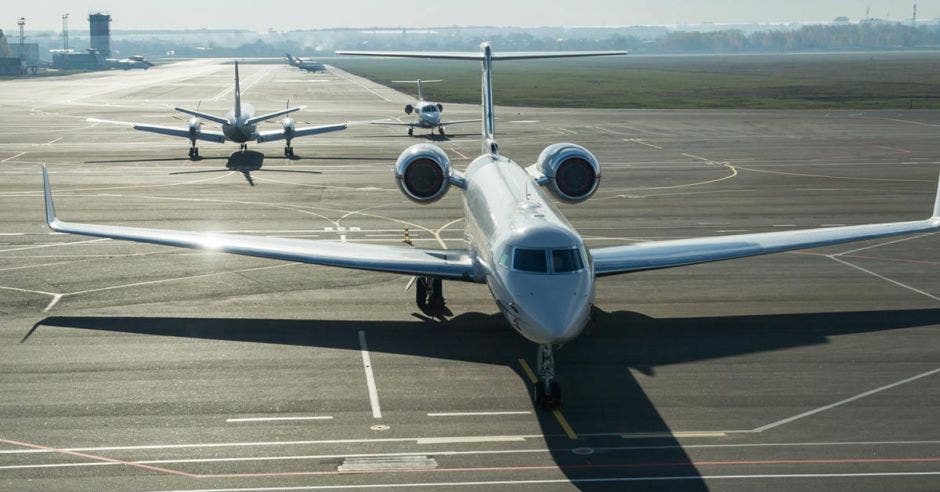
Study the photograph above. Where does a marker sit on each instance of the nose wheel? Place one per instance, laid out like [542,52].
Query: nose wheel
[243,147]
[288,151]
[193,152]
[547,390]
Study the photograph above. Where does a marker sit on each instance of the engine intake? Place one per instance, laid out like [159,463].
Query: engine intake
[423,173]
[572,173]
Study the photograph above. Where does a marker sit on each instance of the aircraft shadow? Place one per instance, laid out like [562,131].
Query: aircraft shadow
[161,159]
[599,390]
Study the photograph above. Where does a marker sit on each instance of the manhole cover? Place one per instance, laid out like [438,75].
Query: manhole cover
[582,451]
[379,427]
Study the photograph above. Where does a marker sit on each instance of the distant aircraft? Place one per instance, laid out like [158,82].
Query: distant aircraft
[240,125]
[535,264]
[129,63]
[428,113]
[310,66]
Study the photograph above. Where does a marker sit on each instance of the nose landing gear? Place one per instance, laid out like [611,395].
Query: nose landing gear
[193,150]
[547,390]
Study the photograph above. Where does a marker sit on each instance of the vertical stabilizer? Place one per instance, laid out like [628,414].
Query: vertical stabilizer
[238,94]
[489,119]
[420,92]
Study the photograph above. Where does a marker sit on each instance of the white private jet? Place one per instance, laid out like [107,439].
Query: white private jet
[240,125]
[428,113]
[535,264]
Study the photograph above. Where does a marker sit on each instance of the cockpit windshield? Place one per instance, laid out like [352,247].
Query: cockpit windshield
[539,260]
[566,260]
[430,109]
[530,260]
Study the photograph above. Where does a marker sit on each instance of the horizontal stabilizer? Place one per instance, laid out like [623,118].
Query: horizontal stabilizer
[258,119]
[205,116]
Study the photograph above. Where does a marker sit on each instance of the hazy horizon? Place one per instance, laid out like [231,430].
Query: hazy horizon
[296,14]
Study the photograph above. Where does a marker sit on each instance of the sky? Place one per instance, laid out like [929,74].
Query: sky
[308,14]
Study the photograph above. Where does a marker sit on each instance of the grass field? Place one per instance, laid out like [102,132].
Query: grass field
[884,80]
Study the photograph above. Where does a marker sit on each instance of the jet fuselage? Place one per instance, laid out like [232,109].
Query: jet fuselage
[547,300]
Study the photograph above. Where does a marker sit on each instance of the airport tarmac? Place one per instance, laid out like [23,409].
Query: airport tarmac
[136,367]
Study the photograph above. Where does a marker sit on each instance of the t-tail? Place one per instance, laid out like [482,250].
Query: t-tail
[486,57]
[238,94]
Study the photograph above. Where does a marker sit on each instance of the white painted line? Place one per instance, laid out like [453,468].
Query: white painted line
[783,225]
[461,154]
[53,245]
[54,141]
[12,233]
[342,238]
[55,300]
[469,439]
[648,435]
[882,277]
[370,378]
[491,483]
[277,419]
[843,402]
[469,414]
[856,250]
[14,157]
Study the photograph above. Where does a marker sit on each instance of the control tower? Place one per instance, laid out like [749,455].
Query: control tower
[100,25]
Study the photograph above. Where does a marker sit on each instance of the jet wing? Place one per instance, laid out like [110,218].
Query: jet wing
[680,252]
[452,264]
[392,123]
[271,135]
[458,122]
[207,135]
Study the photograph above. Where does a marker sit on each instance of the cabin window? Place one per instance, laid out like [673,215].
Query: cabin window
[530,260]
[566,260]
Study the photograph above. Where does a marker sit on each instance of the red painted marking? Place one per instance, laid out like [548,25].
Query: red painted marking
[100,458]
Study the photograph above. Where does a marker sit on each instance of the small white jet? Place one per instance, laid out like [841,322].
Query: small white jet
[308,65]
[540,273]
[129,63]
[428,113]
[240,125]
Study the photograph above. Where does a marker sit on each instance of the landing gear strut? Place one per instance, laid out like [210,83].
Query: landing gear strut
[441,130]
[243,147]
[547,390]
[411,131]
[429,295]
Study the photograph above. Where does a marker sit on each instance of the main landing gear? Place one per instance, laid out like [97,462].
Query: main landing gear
[243,147]
[441,130]
[411,131]
[547,390]
[429,295]
[288,151]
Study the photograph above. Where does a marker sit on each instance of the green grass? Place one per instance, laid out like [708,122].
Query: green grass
[884,80]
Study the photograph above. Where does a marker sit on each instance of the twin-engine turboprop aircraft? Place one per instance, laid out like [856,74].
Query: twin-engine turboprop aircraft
[428,113]
[308,65]
[240,125]
[540,273]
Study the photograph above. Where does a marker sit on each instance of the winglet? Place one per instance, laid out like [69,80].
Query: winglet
[51,219]
[936,203]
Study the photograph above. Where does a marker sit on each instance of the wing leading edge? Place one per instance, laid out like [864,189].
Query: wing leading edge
[681,252]
[449,264]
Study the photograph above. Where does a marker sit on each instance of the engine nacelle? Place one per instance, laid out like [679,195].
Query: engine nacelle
[423,173]
[288,124]
[571,172]
[409,109]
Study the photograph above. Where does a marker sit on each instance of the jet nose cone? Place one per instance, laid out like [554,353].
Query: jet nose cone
[556,314]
